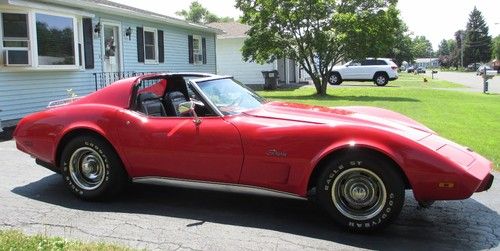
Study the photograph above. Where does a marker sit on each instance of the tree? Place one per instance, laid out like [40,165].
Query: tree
[446,51]
[443,48]
[318,33]
[200,15]
[477,47]
[496,48]
[422,48]
[402,49]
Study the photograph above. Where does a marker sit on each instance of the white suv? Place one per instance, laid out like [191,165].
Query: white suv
[378,70]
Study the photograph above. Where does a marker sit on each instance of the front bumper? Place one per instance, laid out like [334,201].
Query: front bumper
[486,183]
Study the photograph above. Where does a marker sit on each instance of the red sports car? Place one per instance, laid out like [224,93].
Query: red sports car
[356,162]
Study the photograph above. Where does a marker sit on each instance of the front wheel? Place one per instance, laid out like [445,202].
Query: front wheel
[334,78]
[361,192]
[91,168]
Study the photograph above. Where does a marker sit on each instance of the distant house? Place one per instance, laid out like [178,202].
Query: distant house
[427,62]
[48,47]
[230,60]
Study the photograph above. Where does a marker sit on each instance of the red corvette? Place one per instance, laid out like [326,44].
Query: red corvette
[355,161]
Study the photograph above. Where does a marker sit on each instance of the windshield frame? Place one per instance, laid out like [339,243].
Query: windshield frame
[197,89]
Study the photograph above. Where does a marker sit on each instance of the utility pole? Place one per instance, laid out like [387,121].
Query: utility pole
[462,49]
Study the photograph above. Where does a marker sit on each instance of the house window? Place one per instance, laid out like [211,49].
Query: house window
[150,45]
[15,38]
[55,40]
[39,40]
[197,50]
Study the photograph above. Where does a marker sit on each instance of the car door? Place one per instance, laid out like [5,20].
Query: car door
[352,71]
[176,147]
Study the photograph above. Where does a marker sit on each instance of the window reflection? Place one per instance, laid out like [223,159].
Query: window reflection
[55,40]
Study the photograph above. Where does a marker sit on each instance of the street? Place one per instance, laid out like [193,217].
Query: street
[34,200]
[470,80]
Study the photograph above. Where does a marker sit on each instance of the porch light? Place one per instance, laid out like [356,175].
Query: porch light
[128,33]
[97,28]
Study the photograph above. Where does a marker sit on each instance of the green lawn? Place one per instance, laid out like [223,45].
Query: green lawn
[14,240]
[471,119]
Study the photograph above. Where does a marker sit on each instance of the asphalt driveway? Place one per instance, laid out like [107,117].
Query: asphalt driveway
[34,200]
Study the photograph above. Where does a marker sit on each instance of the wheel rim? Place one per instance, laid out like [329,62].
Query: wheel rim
[333,78]
[359,194]
[380,80]
[86,168]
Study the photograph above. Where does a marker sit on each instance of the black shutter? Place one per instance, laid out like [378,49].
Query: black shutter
[204,48]
[140,45]
[88,42]
[190,49]
[161,47]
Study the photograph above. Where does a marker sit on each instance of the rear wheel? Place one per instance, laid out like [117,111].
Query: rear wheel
[381,79]
[361,192]
[91,168]
[334,78]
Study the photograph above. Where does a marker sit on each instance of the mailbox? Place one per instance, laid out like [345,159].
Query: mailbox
[489,74]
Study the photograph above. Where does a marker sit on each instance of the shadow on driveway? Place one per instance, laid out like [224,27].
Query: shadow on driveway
[447,225]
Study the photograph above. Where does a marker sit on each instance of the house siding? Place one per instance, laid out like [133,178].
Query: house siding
[25,92]
[230,62]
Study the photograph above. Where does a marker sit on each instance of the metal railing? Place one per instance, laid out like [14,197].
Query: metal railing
[103,79]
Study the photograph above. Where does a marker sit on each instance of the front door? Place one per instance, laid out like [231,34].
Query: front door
[111,48]
[175,147]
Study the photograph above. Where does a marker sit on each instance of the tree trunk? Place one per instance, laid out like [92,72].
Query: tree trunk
[317,84]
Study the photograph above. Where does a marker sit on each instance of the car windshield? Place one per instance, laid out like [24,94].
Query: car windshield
[229,96]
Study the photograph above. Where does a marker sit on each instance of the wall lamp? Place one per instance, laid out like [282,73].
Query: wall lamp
[97,28]
[128,33]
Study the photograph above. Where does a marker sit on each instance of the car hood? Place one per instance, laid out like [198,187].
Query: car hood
[358,115]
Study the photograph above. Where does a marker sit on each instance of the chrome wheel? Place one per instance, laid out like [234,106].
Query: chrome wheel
[333,79]
[358,194]
[380,80]
[87,168]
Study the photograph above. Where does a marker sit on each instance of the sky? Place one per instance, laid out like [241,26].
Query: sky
[435,19]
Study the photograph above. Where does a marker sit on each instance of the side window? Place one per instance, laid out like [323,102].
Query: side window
[355,63]
[381,62]
[366,62]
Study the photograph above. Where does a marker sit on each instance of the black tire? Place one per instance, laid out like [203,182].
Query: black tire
[92,156]
[354,172]
[334,78]
[381,79]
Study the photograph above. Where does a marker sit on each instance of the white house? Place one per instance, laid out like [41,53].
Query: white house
[230,60]
[427,62]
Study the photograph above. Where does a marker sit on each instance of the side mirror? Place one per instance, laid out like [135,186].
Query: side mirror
[188,107]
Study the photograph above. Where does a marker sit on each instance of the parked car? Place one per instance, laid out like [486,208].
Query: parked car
[482,68]
[473,66]
[356,162]
[379,70]
[410,69]
[421,70]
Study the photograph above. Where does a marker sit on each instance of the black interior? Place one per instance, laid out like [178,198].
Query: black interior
[150,104]
[168,106]
[172,101]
